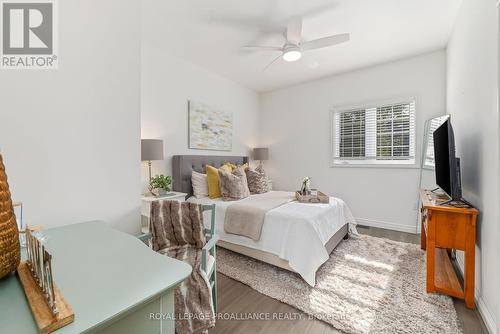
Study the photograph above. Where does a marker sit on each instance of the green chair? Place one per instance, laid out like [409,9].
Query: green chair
[208,256]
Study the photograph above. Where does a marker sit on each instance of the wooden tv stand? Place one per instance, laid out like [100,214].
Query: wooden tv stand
[446,227]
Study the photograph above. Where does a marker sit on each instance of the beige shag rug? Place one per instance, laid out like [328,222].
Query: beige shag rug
[369,285]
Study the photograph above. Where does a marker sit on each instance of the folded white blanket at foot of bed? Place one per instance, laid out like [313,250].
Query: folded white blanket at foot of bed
[295,232]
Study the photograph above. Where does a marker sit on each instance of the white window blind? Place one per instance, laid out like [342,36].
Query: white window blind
[352,134]
[377,134]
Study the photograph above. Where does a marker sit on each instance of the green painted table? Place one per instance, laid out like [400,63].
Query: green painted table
[112,281]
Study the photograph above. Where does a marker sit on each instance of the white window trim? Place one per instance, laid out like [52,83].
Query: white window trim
[362,163]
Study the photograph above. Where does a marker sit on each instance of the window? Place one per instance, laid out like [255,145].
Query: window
[382,133]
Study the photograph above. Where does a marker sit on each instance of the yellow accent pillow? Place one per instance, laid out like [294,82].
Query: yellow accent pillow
[233,166]
[213,180]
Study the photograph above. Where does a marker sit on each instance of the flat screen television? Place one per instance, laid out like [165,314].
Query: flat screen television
[447,165]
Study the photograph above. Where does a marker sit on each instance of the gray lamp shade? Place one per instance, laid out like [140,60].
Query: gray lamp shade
[151,149]
[261,153]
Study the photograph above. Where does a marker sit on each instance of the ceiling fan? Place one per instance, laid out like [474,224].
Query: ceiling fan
[294,46]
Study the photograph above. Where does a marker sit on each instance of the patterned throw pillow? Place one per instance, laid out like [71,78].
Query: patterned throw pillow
[233,186]
[258,183]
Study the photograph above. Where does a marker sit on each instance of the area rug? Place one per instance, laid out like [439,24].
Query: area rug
[369,285]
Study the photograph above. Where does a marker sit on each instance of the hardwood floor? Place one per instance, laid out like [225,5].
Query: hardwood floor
[244,310]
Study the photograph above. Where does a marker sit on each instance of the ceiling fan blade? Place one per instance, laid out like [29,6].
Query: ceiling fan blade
[269,65]
[325,42]
[263,47]
[294,30]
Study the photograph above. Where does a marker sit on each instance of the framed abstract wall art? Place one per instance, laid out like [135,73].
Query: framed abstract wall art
[209,128]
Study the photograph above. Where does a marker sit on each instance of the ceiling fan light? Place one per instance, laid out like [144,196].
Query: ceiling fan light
[292,55]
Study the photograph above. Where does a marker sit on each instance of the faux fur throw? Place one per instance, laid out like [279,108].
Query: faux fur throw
[177,230]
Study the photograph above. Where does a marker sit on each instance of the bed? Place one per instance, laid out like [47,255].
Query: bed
[295,236]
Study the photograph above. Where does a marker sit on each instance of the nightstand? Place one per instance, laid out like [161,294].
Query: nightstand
[146,206]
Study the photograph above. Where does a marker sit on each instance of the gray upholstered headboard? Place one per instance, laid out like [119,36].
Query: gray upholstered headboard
[183,165]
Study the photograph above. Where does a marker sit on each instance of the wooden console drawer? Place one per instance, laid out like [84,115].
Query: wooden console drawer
[450,230]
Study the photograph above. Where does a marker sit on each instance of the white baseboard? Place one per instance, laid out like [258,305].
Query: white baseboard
[387,225]
[486,315]
[480,304]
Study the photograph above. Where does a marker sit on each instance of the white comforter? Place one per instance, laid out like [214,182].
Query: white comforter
[296,232]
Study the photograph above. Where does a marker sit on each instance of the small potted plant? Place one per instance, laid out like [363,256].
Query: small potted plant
[160,184]
[306,186]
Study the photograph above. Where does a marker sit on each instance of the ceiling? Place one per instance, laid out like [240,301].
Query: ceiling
[211,33]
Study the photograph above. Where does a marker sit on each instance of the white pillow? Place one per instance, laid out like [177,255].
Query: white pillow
[200,184]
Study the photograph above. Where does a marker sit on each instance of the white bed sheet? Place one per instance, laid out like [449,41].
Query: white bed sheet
[296,232]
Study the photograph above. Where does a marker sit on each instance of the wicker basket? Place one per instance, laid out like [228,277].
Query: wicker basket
[10,251]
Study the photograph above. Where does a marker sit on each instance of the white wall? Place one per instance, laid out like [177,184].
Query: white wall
[167,85]
[472,101]
[70,137]
[295,124]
